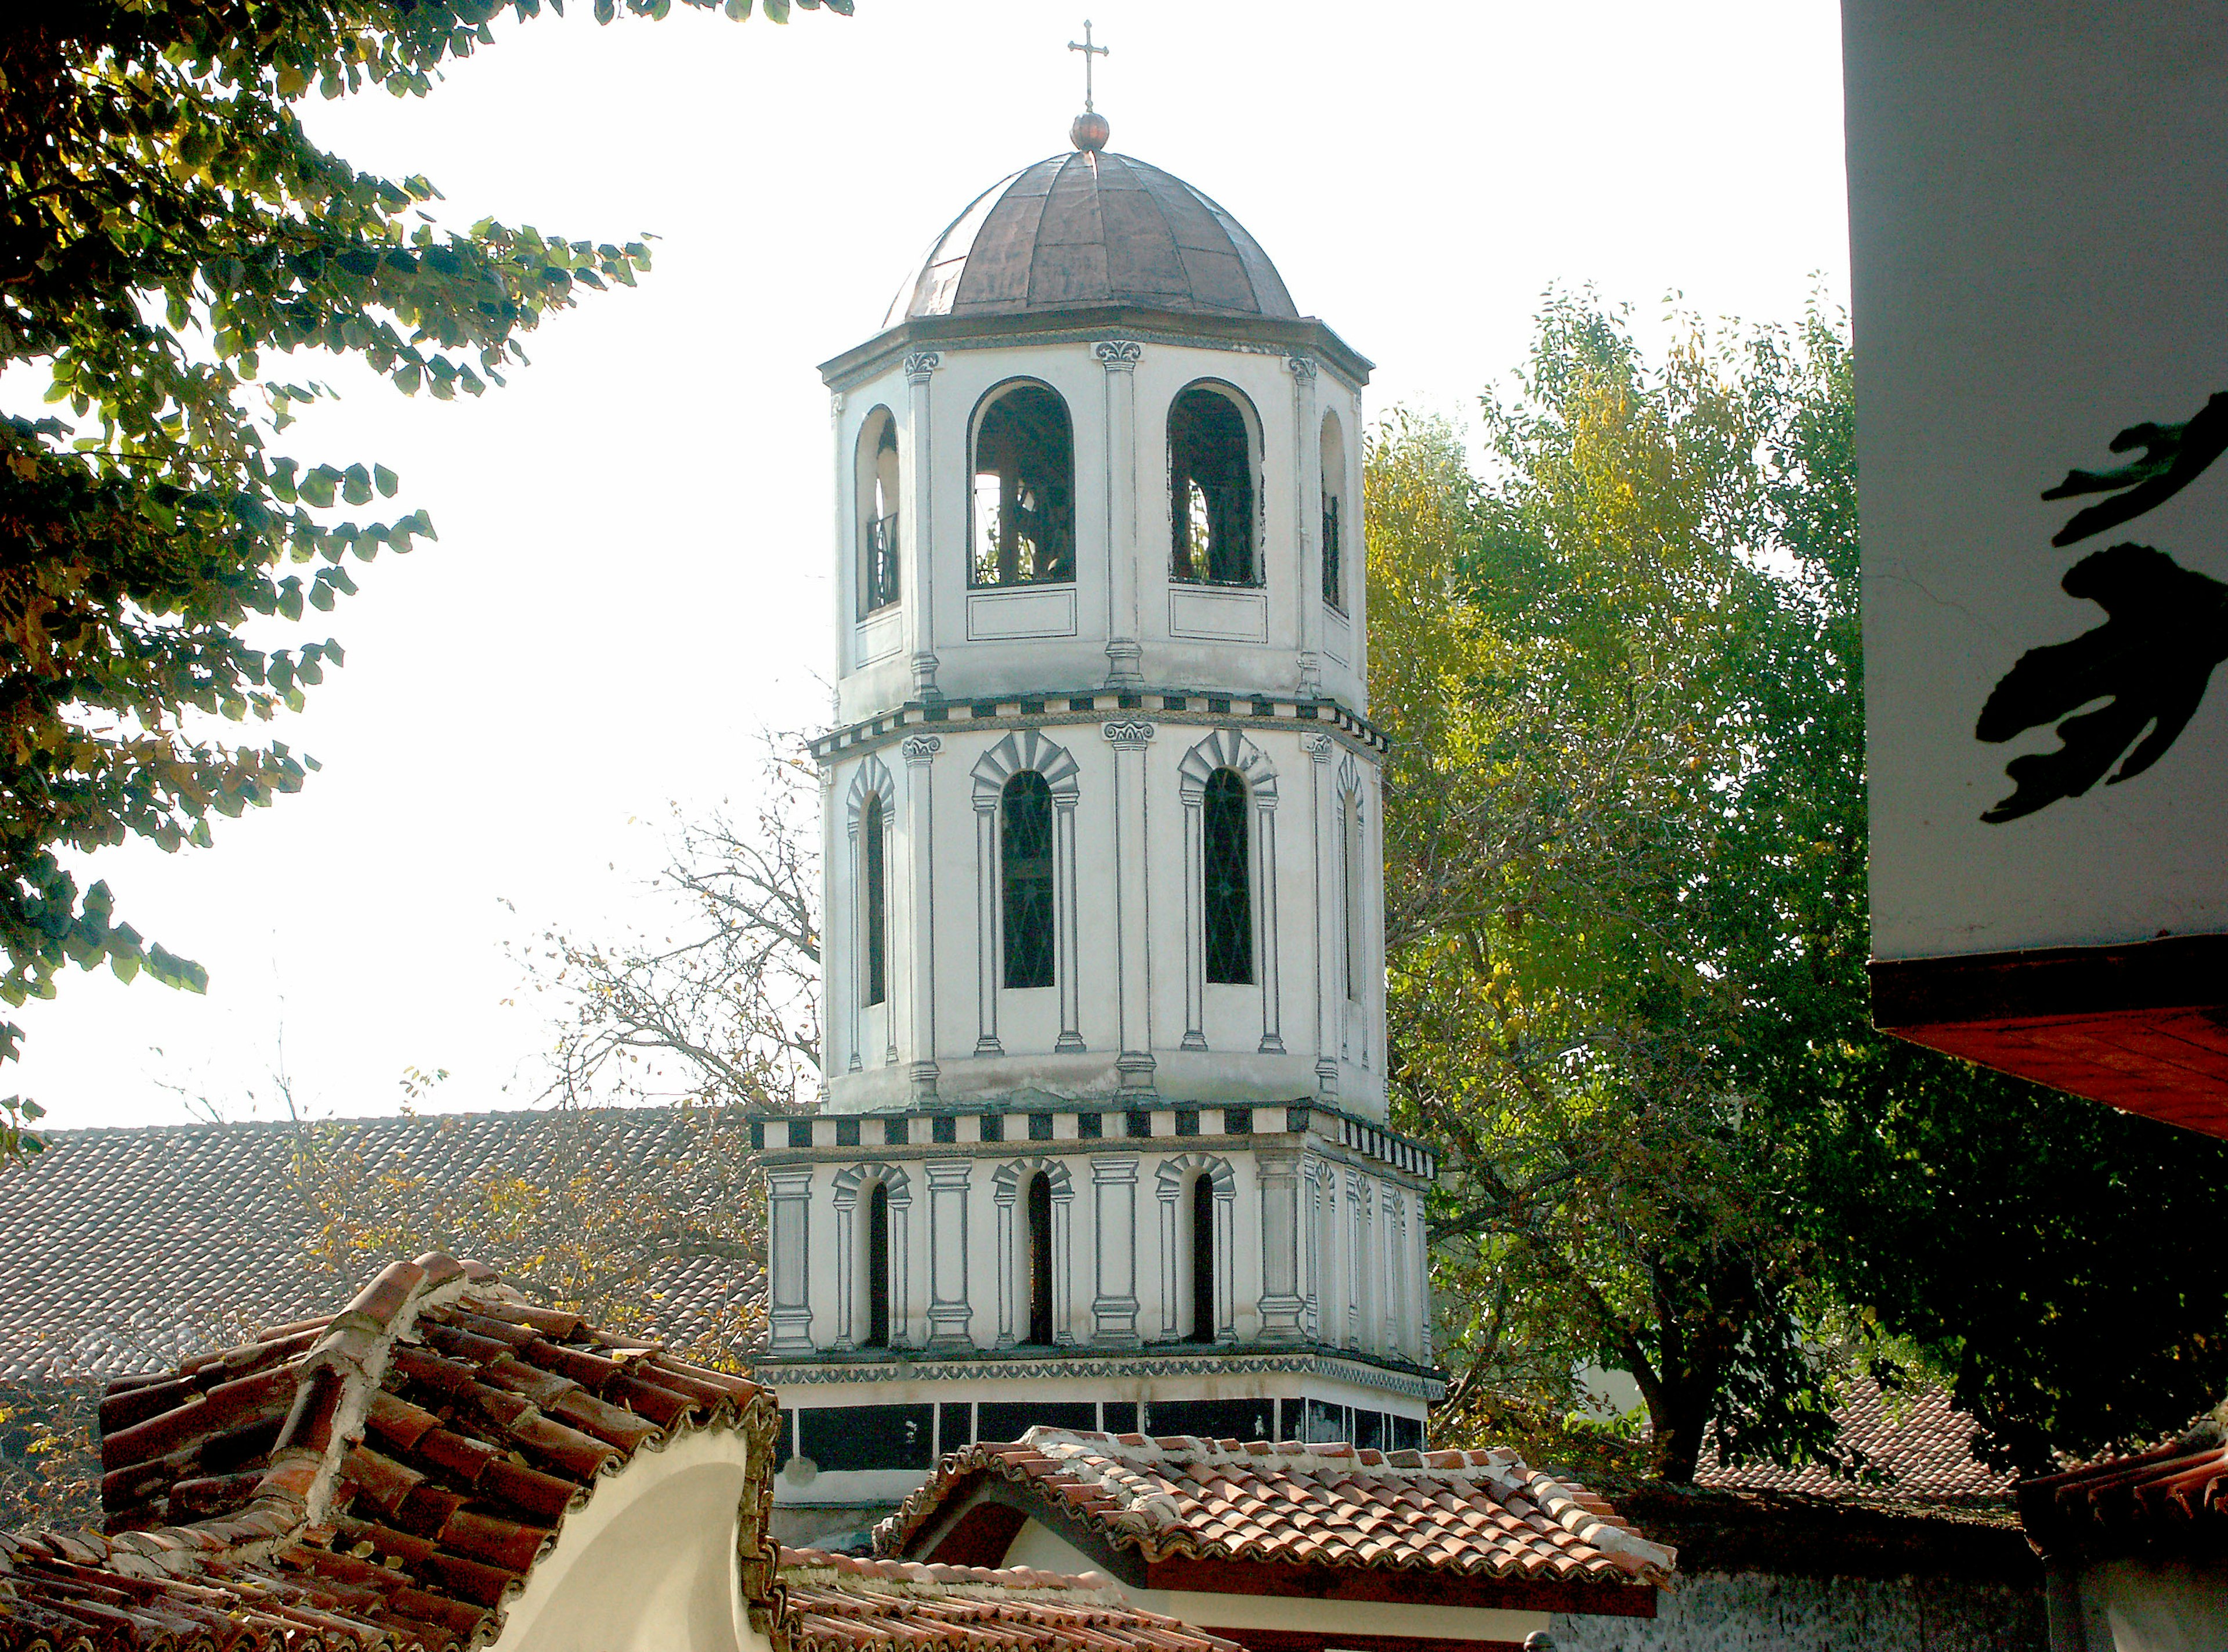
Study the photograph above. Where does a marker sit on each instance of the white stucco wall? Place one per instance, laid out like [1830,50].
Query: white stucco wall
[650,1565]
[1035,1546]
[1758,1612]
[2154,1606]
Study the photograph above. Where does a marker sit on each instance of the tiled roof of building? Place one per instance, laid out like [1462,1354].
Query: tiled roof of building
[2168,1498]
[1468,1514]
[123,1250]
[1915,1450]
[836,1602]
[381,1479]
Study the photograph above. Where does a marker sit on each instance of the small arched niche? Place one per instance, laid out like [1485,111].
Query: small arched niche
[875,474]
[1021,489]
[1213,467]
[1337,518]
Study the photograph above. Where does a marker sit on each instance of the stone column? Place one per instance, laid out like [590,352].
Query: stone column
[1311,1216]
[1133,934]
[1010,1265]
[1124,651]
[989,915]
[1114,1238]
[1264,878]
[1329,850]
[1063,1265]
[858,892]
[948,1310]
[1357,1256]
[1071,991]
[901,1280]
[1194,903]
[1226,1258]
[921,752]
[918,592]
[889,933]
[1307,486]
[1281,1303]
[789,1196]
[846,1206]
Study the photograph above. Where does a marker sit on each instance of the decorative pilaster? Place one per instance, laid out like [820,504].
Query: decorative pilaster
[1313,1218]
[919,750]
[916,546]
[788,1197]
[1281,1304]
[1124,653]
[1070,1041]
[989,923]
[1265,877]
[857,887]
[1307,483]
[1329,846]
[1357,1257]
[1114,1239]
[948,1310]
[1133,933]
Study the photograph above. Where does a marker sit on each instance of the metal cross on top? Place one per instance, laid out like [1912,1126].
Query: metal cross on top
[1089,51]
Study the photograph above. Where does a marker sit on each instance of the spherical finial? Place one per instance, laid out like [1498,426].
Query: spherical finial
[1089,131]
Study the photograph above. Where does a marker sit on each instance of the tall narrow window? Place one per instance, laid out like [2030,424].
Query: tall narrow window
[1334,524]
[878,1268]
[1039,1205]
[1350,819]
[1228,882]
[1023,495]
[870,863]
[1211,490]
[1025,877]
[1202,1259]
[878,511]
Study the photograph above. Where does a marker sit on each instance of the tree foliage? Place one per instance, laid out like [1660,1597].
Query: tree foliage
[1622,665]
[176,257]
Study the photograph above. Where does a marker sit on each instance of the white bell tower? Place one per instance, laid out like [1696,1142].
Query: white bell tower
[1104,1143]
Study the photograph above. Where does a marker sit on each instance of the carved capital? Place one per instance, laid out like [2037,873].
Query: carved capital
[1117,355]
[835,405]
[1130,735]
[1301,366]
[920,364]
[1322,747]
[920,748]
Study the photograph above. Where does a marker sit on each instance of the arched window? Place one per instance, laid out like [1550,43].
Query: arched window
[878,511]
[1350,820]
[1228,883]
[1211,490]
[1202,1259]
[1333,512]
[1025,877]
[1039,1217]
[1023,498]
[878,1267]
[870,860]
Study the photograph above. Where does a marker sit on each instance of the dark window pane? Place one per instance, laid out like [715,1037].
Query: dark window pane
[1228,882]
[878,1268]
[1213,1419]
[1040,1260]
[1369,1428]
[838,1438]
[1407,1433]
[1211,491]
[1118,1417]
[1025,874]
[1202,1259]
[870,855]
[1009,1420]
[1334,589]
[955,1426]
[1024,491]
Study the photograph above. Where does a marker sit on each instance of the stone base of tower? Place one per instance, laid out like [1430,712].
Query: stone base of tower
[939,1277]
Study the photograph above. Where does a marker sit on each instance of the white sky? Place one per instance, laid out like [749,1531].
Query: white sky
[631,575]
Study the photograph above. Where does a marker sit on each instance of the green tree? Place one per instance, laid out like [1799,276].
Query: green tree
[175,254]
[1626,904]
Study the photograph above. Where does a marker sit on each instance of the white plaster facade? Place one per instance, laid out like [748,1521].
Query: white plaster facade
[1137,1094]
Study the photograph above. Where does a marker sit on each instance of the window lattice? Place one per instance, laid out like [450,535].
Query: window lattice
[1025,874]
[870,855]
[1228,883]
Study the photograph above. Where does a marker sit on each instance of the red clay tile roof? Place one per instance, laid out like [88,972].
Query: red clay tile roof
[1470,1514]
[381,1478]
[837,1603]
[1918,1450]
[125,1250]
[2170,1498]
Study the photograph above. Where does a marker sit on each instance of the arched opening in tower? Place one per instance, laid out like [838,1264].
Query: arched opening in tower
[1211,490]
[1202,1259]
[1227,887]
[1023,498]
[1025,874]
[871,874]
[1040,1210]
[878,1268]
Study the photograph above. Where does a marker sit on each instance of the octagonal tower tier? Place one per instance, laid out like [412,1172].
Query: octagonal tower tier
[1103,1040]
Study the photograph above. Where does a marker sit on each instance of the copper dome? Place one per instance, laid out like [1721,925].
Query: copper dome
[1086,230]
